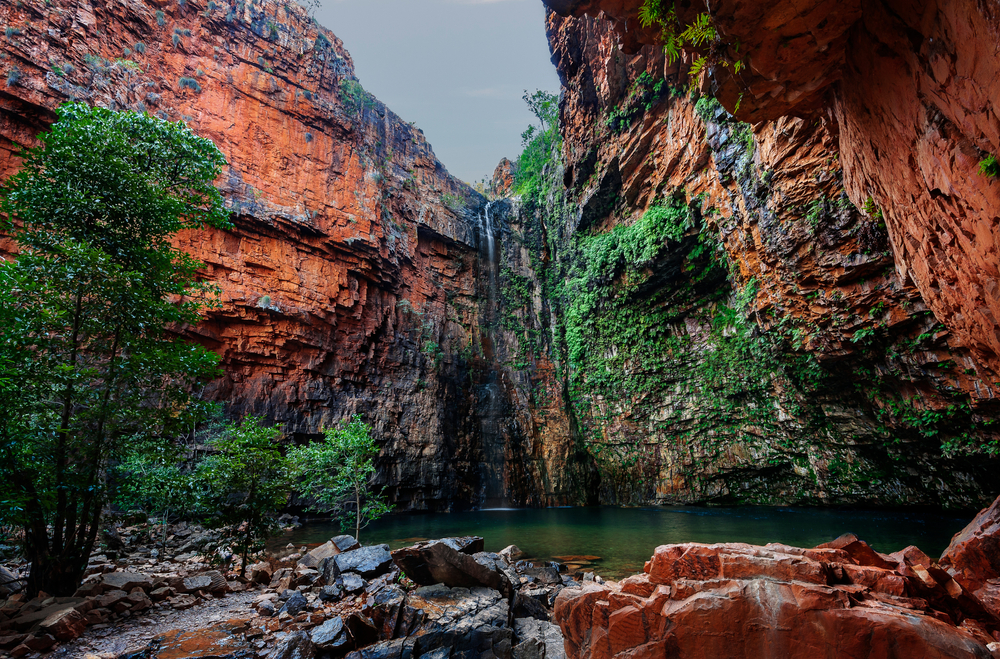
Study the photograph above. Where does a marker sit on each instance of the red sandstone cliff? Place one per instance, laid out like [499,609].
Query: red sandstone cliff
[907,91]
[828,285]
[349,280]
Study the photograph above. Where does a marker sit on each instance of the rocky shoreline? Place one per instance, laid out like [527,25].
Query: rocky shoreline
[450,598]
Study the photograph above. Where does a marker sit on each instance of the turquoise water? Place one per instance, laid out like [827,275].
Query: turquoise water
[624,538]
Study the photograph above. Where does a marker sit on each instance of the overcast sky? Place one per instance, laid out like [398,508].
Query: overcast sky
[457,68]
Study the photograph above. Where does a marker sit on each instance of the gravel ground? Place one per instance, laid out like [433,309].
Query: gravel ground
[135,633]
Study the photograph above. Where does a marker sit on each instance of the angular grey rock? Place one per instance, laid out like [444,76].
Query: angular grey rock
[511,554]
[369,561]
[266,608]
[9,583]
[331,634]
[401,648]
[529,649]
[126,581]
[542,632]
[429,563]
[331,593]
[296,604]
[218,582]
[345,543]
[352,583]
[297,645]
[195,583]
[528,607]
[313,558]
[545,574]
[328,570]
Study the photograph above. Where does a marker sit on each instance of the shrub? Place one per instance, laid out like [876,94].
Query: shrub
[140,48]
[354,97]
[989,166]
[13,77]
[160,18]
[248,480]
[189,83]
[338,472]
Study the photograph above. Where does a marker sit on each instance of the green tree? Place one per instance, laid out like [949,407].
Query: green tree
[338,472]
[248,480]
[87,364]
[154,480]
[538,141]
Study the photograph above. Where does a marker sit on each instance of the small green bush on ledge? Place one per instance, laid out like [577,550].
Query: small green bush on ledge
[990,166]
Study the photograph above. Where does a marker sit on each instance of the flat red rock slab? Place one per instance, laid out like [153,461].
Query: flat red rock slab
[222,641]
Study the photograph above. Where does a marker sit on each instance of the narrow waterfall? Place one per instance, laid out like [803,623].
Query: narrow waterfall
[491,402]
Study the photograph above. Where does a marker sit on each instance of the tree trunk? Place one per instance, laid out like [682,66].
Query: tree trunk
[357,513]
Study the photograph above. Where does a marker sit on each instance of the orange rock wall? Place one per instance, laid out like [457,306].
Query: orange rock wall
[909,90]
[828,283]
[350,282]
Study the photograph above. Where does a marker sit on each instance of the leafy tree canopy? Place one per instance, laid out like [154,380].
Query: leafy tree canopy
[338,472]
[88,369]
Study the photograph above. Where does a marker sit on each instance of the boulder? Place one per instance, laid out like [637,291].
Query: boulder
[438,562]
[331,593]
[735,600]
[345,543]
[330,635]
[973,557]
[40,642]
[9,582]
[295,604]
[126,581]
[196,583]
[297,645]
[111,598]
[511,554]
[313,558]
[35,615]
[260,573]
[328,570]
[368,562]
[362,629]
[218,583]
[64,625]
[352,583]
[543,638]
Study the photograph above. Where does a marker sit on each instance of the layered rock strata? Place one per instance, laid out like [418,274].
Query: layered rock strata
[759,344]
[350,282]
[841,599]
[908,89]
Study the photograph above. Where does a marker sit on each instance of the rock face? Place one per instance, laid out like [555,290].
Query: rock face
[736,600]
[351,281]
[724,322]
[909,91]
[973,557]
[808,315]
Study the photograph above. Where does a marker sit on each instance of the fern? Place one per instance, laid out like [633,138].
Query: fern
[989,166]
[672,48]
[650,13]
[699,32]
[696,68]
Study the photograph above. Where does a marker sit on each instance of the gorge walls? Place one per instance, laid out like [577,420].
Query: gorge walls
[350,283]
[734,324]
[682,307]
